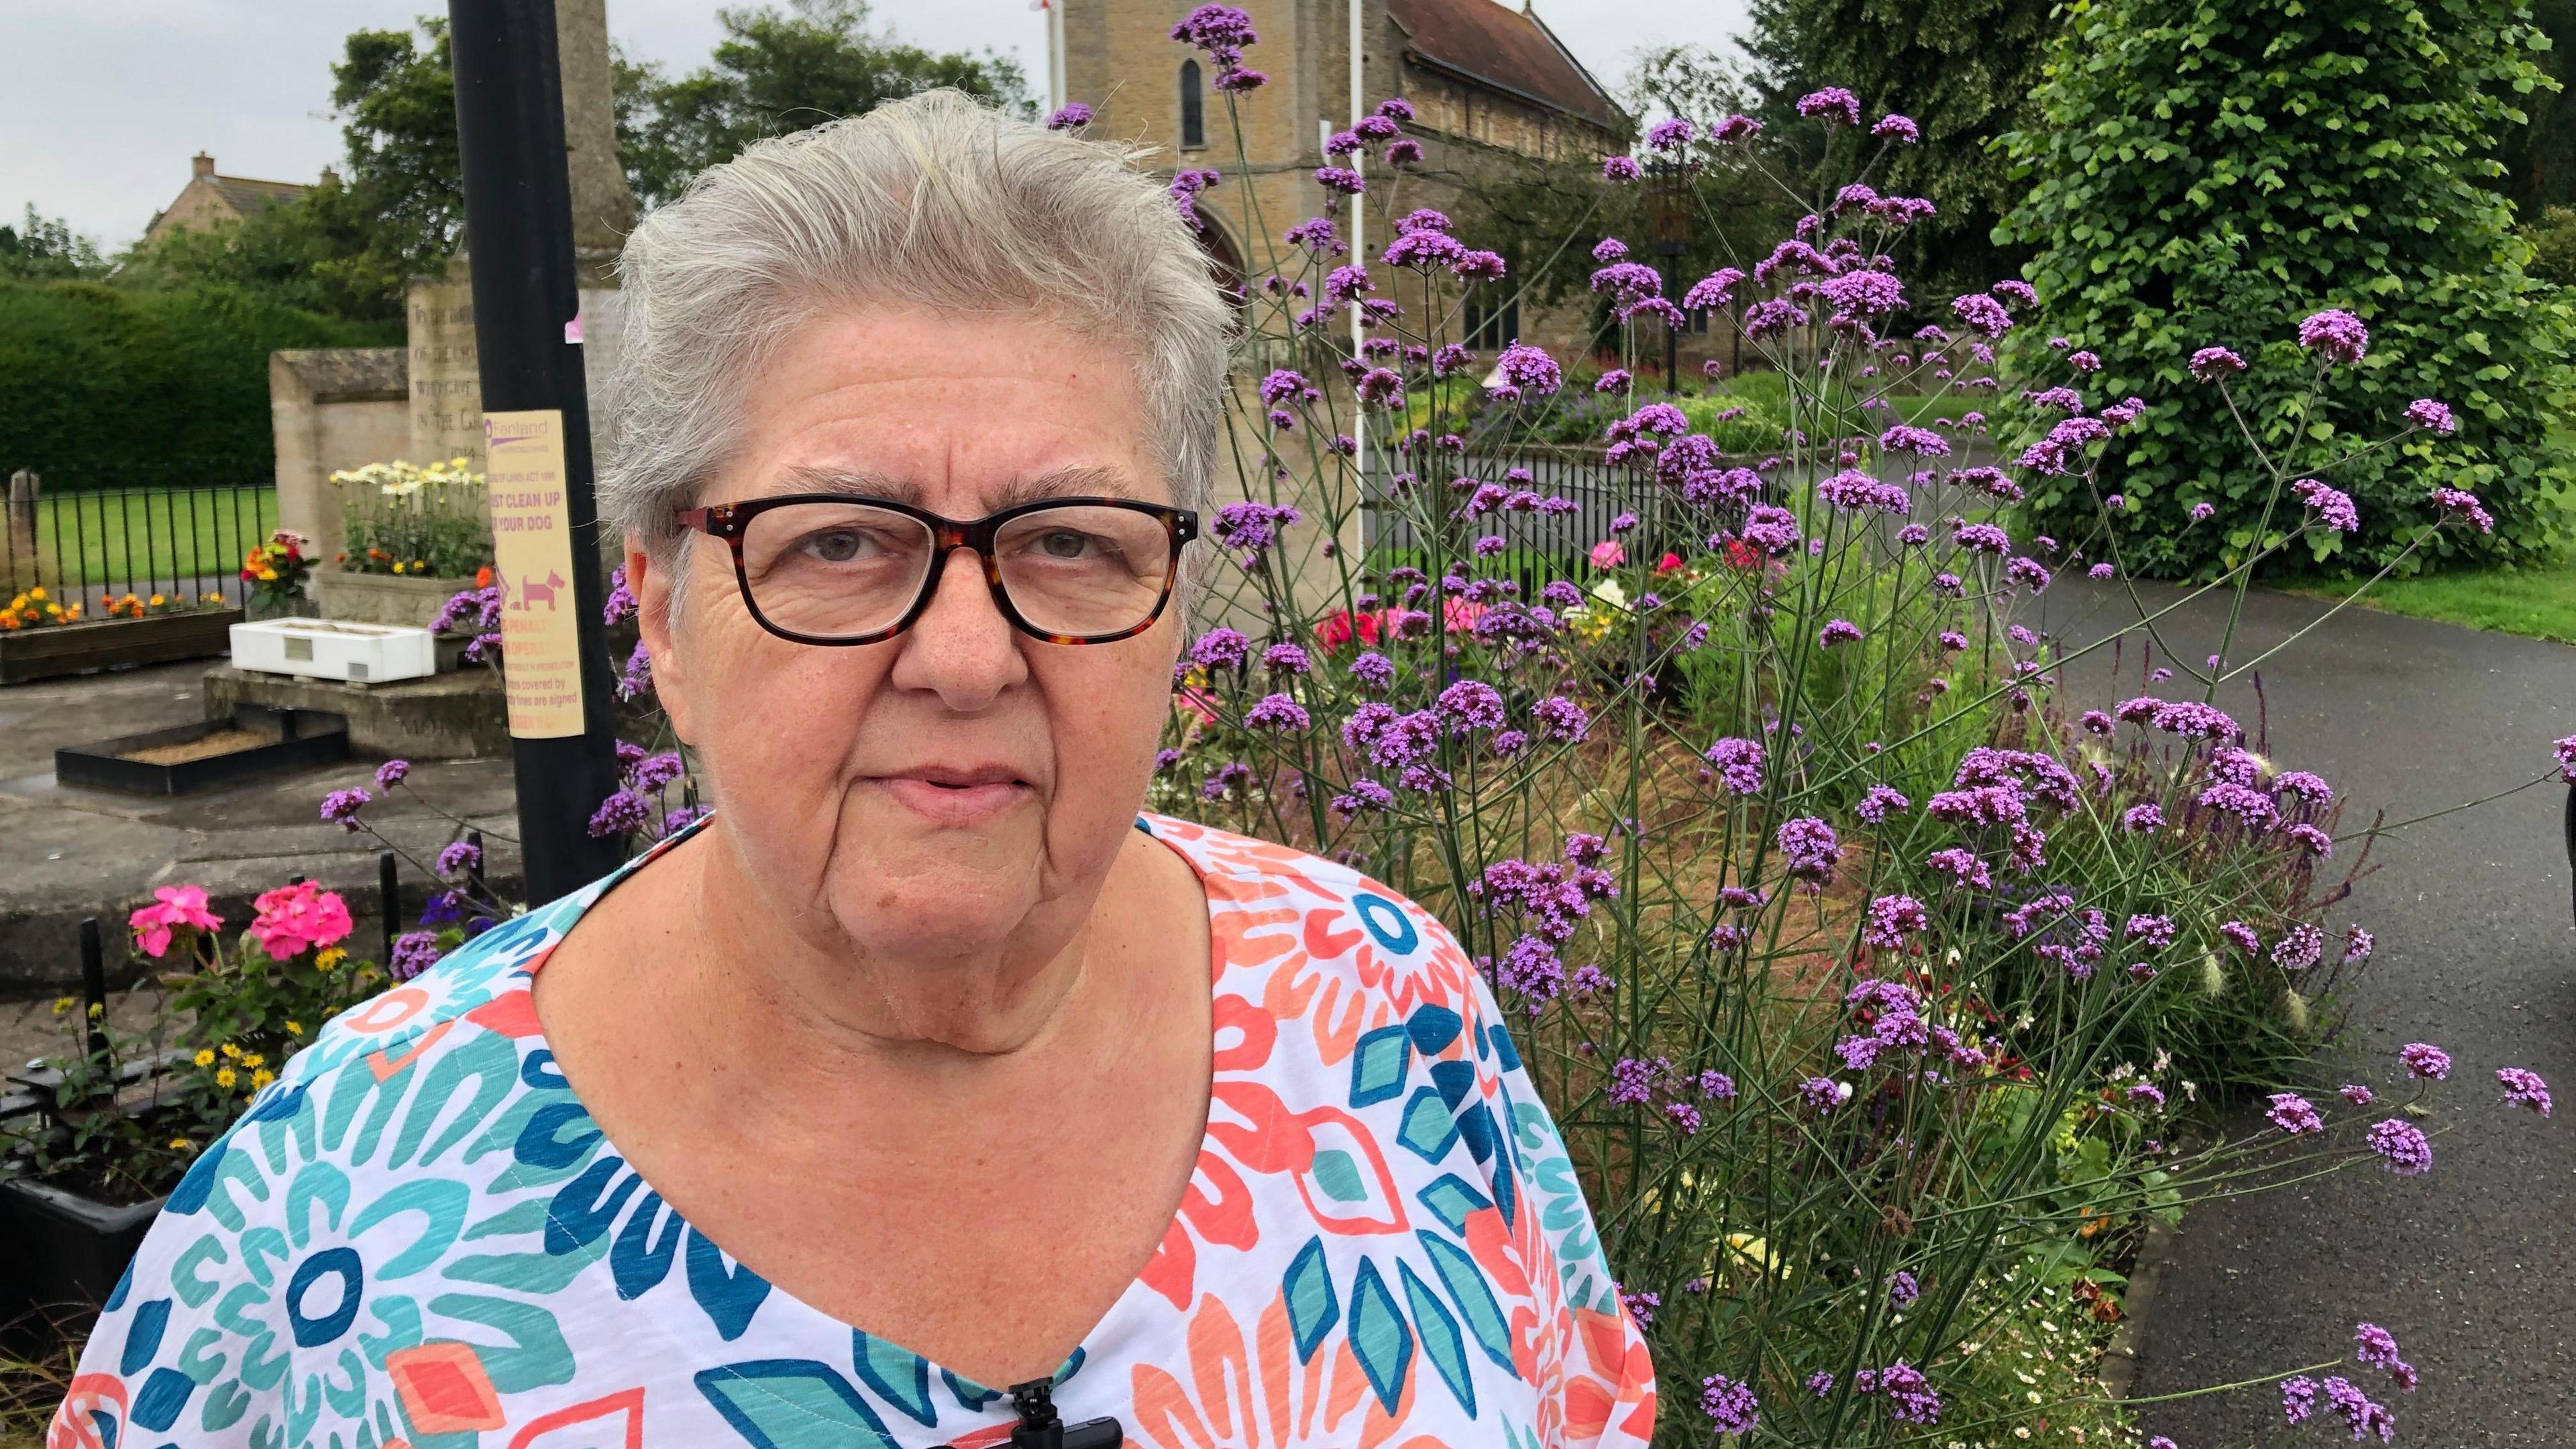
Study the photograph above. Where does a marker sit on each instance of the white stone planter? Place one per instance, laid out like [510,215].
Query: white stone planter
[333,649]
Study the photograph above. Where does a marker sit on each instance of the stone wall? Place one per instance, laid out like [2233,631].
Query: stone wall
[331,408]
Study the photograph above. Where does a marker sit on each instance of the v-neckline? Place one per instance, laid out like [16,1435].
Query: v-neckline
[1104,1331]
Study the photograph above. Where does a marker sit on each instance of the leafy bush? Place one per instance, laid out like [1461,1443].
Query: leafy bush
[2553,246]
[2202,173]
[101,384]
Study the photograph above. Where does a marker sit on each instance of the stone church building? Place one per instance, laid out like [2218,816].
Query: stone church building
[1489,84]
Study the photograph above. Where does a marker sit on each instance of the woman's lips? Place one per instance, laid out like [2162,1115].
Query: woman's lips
[964,798]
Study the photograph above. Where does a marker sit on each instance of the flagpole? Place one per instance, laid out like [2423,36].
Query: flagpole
[1359,256]
[1055,54]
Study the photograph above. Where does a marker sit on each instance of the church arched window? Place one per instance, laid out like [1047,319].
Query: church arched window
[1193,108]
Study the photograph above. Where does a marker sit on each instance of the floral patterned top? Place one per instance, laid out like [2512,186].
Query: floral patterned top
[418,1238]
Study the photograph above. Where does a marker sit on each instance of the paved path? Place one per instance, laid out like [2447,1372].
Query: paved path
[2473,1266]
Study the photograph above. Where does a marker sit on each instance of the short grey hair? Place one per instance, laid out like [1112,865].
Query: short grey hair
[937,201]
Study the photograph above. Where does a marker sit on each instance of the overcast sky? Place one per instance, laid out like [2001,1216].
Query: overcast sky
[102,102]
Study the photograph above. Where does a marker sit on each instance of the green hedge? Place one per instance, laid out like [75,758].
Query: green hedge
[103,385]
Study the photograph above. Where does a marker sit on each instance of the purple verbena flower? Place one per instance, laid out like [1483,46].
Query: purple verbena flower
[413,953]
[1739,764]
[2335,336]
[2210,364]
[2424,412]
[1729,1405]
[622,813]
[341,807]
[1278,712]
[2294,1114]
[2402,1147]
[2425,1061]
[1833,103]
[1810,849]
[2524,1088]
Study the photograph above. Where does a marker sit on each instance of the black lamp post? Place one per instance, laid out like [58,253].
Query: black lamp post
[518,226]
[1668,227]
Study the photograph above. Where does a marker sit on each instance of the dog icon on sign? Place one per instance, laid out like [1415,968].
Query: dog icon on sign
[530,591]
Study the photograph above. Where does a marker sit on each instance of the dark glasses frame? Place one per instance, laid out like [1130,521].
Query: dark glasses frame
[732,521]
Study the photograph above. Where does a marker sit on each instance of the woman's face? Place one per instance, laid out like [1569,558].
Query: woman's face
[931,795]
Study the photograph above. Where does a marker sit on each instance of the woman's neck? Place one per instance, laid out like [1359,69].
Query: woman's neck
[790,976]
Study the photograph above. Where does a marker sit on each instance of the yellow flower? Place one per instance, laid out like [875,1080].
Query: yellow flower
[205,1056]
[254,1060]
[398,568]
[180,1144]
[268,576]
[231,1050]
[331,956]
[36,593]
[261,1079]
[295,1028]
[157,600]
[225,1078]
[62,1004]
[97,1009]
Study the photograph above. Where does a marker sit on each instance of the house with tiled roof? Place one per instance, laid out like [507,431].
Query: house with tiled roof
[1487,82]
[210,199]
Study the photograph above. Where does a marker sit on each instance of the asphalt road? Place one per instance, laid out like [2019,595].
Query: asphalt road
[2472,1266]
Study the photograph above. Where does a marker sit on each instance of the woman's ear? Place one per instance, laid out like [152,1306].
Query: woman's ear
[655,599]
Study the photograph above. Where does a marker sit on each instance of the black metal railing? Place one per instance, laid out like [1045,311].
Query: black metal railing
[1537,546]
[93,546]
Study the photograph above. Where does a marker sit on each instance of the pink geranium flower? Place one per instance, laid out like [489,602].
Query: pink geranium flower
[298,918]
[173,907]
[1607,554]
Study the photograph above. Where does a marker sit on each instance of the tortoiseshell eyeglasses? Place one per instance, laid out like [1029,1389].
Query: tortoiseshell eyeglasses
[833,568]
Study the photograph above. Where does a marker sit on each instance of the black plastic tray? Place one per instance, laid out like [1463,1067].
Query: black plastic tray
[303,738]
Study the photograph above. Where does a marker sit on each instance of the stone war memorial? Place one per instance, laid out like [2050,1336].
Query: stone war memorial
[338,411]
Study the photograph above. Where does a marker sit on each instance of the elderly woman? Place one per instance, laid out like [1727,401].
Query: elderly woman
[924,1091]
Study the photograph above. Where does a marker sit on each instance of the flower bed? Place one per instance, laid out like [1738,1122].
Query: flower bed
[405,520]
[1875,983]
[120,1119]
[41,639]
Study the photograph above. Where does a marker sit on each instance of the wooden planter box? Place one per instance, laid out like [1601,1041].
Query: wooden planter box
[384,598]
[95,644]
[65,1251]
[298,739]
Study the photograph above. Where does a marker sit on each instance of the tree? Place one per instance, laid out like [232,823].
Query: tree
[1964,70]
[777,72]
[1544,215]
[46,249]
[2539,154]
[350,246]
[2206,175]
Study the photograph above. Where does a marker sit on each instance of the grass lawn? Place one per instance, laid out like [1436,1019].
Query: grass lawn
[132,538]
[2538,602]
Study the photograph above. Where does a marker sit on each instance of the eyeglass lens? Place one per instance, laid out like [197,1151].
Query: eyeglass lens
[848,570]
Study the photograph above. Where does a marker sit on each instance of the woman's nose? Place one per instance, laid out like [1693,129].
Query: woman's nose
[961,648]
